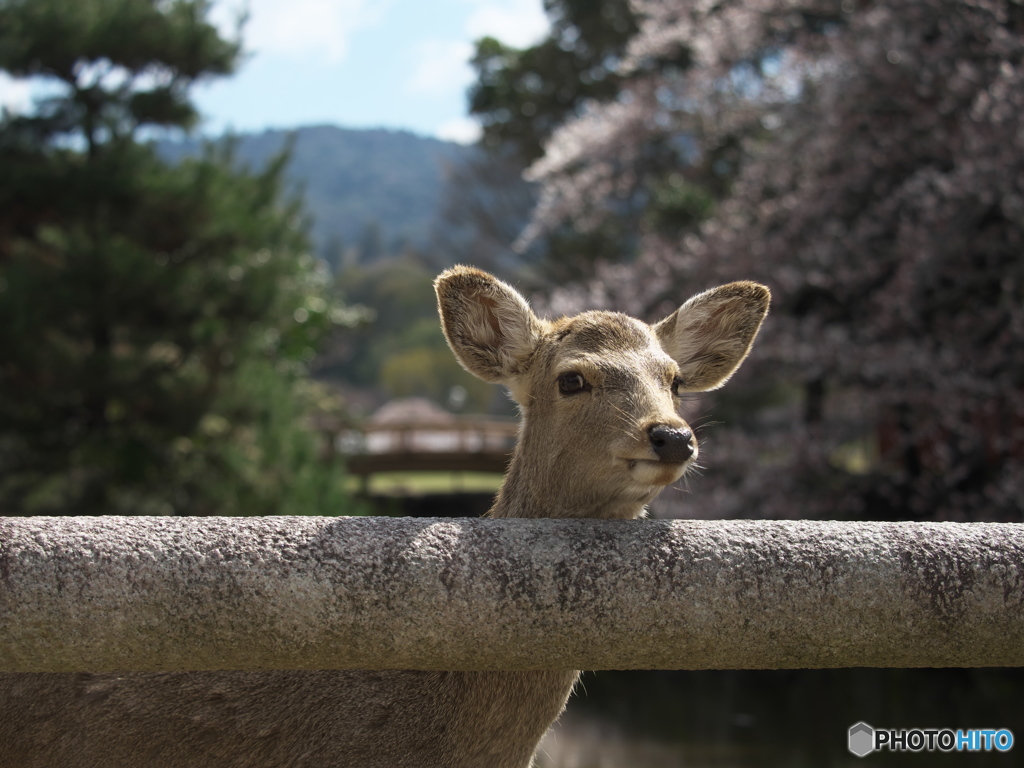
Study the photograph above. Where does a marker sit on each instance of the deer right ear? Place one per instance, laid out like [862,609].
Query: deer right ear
[711,334]
[488,324]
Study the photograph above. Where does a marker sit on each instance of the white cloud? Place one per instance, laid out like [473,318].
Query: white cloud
[301,28]
[15,95]
[463,130]
[518,23]
[441,67]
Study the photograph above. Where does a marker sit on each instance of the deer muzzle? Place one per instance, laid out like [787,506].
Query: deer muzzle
[672,445]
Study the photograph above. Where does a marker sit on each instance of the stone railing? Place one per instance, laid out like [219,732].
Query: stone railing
[103,594]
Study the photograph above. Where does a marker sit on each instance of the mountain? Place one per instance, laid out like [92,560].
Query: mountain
[375,190]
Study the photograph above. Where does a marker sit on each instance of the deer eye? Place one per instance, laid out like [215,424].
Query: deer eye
[677,384]
[572,383]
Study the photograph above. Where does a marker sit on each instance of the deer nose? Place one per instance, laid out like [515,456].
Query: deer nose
[672,444]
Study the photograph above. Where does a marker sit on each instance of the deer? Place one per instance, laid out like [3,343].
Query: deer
[600,436]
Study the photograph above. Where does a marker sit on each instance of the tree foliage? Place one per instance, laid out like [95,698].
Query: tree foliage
[876,158]
[154,318]
[522,96]
[403,351]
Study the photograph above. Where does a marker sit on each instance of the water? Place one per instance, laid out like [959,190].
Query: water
[588,741]
[791,718]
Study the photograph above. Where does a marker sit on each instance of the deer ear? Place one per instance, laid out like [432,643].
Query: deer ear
[711,334]
[488,324]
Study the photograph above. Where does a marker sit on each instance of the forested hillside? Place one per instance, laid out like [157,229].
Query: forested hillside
[374,191]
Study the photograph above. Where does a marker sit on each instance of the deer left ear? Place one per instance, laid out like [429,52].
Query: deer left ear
[711,334]
[488,324]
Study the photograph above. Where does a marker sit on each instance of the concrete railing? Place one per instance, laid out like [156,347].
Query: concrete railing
[103,594]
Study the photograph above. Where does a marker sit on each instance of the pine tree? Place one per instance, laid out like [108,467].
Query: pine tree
[154,319]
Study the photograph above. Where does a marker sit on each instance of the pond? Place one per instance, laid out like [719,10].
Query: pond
[792,718]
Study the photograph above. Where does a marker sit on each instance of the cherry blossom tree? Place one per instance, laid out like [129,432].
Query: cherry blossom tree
[871,157]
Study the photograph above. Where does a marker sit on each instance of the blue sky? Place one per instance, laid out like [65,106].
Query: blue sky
[353,63]
[361,63]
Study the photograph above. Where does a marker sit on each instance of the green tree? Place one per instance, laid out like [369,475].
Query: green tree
[522,96]
[155,319]
[403,352]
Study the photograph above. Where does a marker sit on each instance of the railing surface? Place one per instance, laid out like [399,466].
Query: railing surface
[137,594]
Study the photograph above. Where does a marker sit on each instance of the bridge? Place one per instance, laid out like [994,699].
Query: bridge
[457,444]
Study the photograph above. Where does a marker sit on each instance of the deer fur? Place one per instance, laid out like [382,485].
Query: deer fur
[600,437]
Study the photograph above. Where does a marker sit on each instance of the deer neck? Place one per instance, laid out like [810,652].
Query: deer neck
[539,484]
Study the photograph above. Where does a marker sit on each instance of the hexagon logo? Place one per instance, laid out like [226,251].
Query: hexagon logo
[862,739]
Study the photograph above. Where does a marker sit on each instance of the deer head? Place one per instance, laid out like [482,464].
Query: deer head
[598,392]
